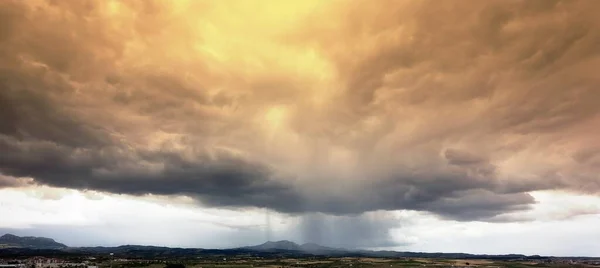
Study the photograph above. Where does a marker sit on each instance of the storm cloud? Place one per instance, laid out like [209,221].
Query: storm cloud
[460,109]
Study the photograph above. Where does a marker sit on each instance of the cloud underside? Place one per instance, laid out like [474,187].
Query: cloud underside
[455,108]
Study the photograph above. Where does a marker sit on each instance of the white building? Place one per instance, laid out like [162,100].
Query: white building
[19,265]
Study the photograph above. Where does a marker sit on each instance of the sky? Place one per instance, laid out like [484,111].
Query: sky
[437,126]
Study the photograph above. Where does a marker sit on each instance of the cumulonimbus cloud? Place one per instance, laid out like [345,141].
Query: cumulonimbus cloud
[459,109]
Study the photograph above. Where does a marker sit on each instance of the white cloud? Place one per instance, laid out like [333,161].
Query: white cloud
[560,224]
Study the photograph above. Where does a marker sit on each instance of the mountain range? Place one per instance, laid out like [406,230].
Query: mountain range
[13,241]
[289,245]
[12,245]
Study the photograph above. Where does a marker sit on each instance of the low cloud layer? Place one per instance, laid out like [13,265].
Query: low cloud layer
[455,108]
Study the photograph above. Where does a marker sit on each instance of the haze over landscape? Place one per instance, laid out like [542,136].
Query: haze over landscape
[436,126]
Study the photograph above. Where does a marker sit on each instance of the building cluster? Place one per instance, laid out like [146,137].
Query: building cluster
[42,262]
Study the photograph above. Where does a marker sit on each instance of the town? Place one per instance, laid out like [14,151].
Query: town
[41,252]
[242,261]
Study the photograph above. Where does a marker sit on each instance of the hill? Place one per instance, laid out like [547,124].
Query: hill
[285,245]
[15,246]
[13,241]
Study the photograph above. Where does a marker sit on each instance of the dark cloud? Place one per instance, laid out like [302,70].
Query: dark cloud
[459,196]
[31,108]
[221,178]
[456,157]
[480,204]
[458,109]
[215,178]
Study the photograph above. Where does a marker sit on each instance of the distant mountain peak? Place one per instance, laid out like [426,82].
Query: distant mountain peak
[8,236]
[13,241]
[287,245]
[277,245]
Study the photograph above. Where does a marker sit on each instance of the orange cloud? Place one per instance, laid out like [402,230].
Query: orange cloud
[457,108]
